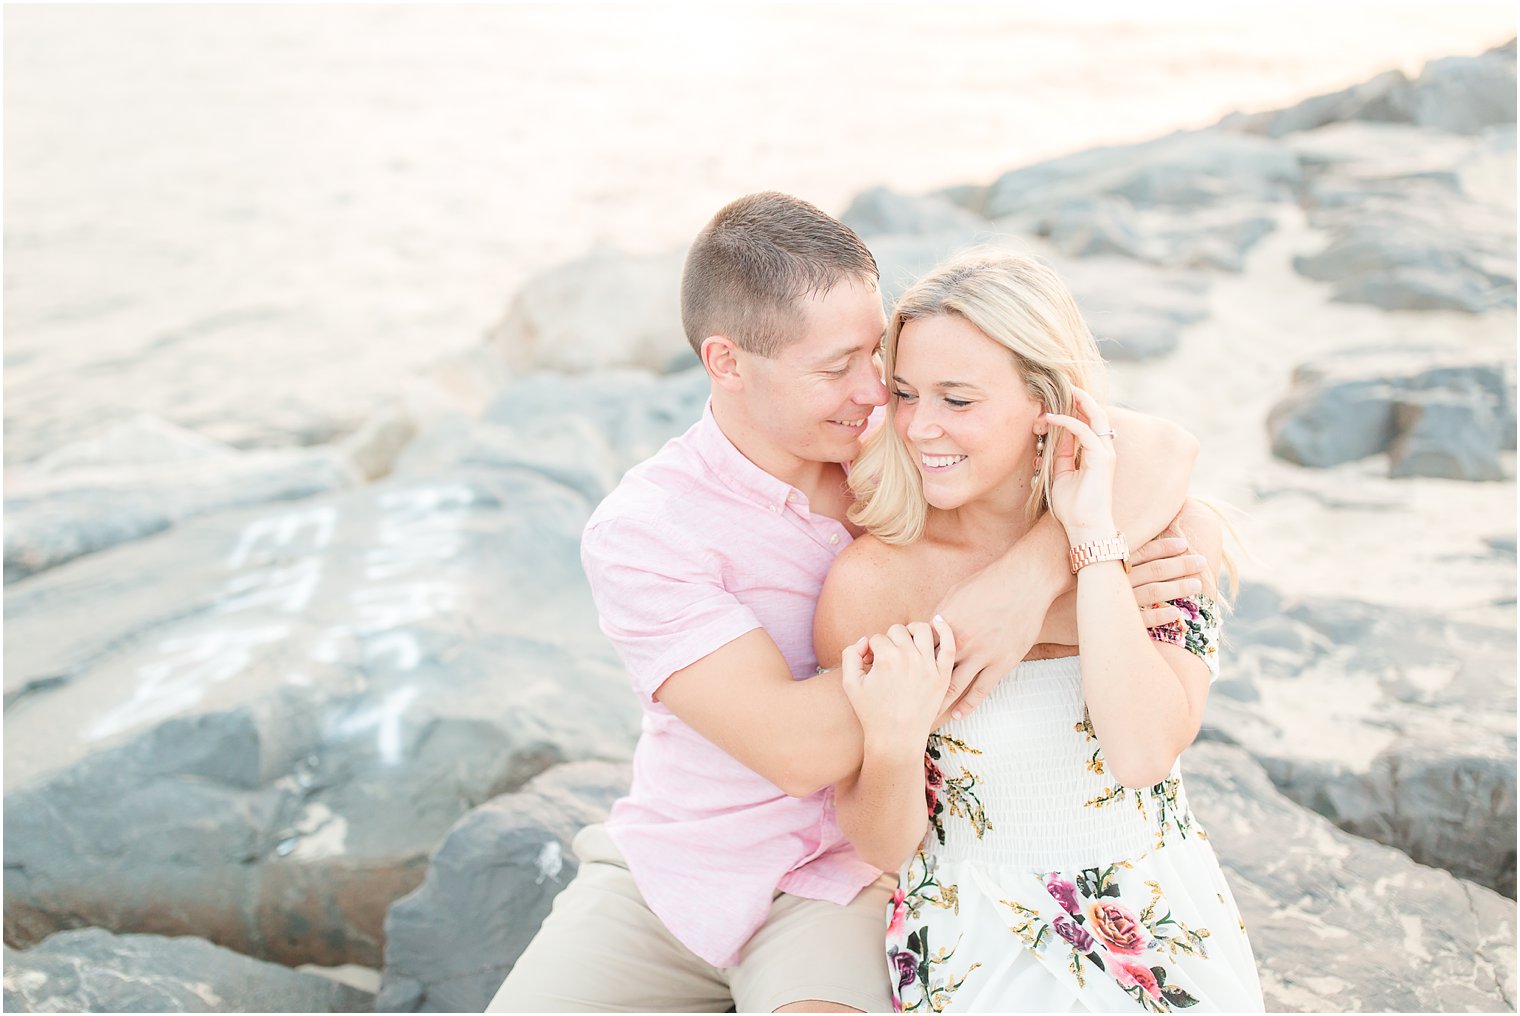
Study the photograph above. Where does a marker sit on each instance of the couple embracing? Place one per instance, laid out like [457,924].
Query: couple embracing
[912,709]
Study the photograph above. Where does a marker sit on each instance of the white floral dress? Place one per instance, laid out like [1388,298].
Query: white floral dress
[1044,885]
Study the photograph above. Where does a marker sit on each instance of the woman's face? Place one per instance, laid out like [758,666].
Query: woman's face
[964,412]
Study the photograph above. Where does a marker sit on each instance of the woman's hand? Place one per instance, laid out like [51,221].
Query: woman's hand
[898,698]
[1082,492]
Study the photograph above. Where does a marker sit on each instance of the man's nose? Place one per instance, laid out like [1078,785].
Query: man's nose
[872,392]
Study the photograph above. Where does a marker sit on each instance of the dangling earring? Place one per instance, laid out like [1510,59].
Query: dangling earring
[1039,452]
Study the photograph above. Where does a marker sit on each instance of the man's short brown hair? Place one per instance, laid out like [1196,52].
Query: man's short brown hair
[753,264]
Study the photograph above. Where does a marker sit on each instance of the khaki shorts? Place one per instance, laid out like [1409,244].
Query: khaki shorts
[601,949]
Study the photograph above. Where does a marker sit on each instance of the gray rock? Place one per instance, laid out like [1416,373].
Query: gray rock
[1459,95]
[582,431]
[607,309]
[1347,407]
[1183,170]
[1341,924]
[1411,736]
[1323,424]
[94,971]
[373,447]
[1383,160]
[1403,234]
[1136,311]
[1082,227]
[1464,94]
[904,259]
[970,196]
[140,478]
[1386,97]
[450,944]
[258,725]
[1201,238]
[880,211]
[1447,433]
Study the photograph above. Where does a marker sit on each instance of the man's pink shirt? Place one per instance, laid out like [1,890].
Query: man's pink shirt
[696,547]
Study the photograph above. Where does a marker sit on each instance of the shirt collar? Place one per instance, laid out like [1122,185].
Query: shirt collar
[738,473]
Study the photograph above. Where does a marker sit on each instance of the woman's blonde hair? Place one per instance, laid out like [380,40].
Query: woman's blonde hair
[1016,301]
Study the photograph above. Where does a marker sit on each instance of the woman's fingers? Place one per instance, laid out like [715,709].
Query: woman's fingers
[923,639]
[945,657]
[1092,409]
[900,636]
[851,666]
[1083,434]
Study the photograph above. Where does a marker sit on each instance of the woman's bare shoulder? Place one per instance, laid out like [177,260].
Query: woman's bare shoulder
[861,596]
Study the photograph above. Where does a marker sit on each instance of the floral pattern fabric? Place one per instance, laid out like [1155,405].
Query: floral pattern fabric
[1155,929]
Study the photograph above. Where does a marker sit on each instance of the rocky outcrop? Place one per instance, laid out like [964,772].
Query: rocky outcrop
[450,944]
[1182,171]
[1435,414]
[1416,247]
[1201,238]
[1136,311]
[1458,95]
[607,309]
[1337,922]
[141,477]
[1411,740]
[94,971]
[883,212]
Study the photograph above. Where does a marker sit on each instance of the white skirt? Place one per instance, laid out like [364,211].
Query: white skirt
[1158,933]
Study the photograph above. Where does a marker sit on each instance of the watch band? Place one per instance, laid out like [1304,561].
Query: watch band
[1114,548]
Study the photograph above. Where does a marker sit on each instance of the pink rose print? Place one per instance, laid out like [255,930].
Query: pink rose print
[1118,927]
[895,928]
[1063,892]
[1128,974]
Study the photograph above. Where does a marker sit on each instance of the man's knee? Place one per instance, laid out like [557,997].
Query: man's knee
[815,1006]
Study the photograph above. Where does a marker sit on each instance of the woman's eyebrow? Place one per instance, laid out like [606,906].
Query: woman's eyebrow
[943,385]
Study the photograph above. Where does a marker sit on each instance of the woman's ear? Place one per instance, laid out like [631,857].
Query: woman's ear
[721,358]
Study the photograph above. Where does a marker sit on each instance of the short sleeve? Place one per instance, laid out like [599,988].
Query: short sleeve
[659,600]
[1197,630]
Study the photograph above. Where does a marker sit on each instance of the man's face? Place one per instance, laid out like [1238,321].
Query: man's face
[812,400]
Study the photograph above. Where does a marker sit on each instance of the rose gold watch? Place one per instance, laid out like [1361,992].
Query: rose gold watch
[1115,548]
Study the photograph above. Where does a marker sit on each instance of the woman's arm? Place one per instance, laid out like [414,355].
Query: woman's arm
[1145,698]
[883,810]
[1145,701]
[881,807]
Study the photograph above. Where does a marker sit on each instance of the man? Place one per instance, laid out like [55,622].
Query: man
[722,877]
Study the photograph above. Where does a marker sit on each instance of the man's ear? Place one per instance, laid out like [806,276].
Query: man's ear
[721,358]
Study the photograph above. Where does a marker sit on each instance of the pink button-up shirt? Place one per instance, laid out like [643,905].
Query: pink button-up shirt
[695,547]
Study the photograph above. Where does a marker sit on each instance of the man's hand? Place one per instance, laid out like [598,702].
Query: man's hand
[998,613]
[1163,570]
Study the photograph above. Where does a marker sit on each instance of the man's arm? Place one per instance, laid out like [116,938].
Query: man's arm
[998,612]
[800,735]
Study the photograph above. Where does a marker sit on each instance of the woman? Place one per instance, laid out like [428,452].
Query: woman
[1057,866]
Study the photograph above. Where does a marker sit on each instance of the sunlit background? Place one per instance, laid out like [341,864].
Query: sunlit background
[254,220]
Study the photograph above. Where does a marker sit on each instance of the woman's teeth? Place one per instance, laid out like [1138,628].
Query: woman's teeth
[941,461]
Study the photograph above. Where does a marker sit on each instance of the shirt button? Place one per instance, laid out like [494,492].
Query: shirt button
[833,538]
[775,507]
